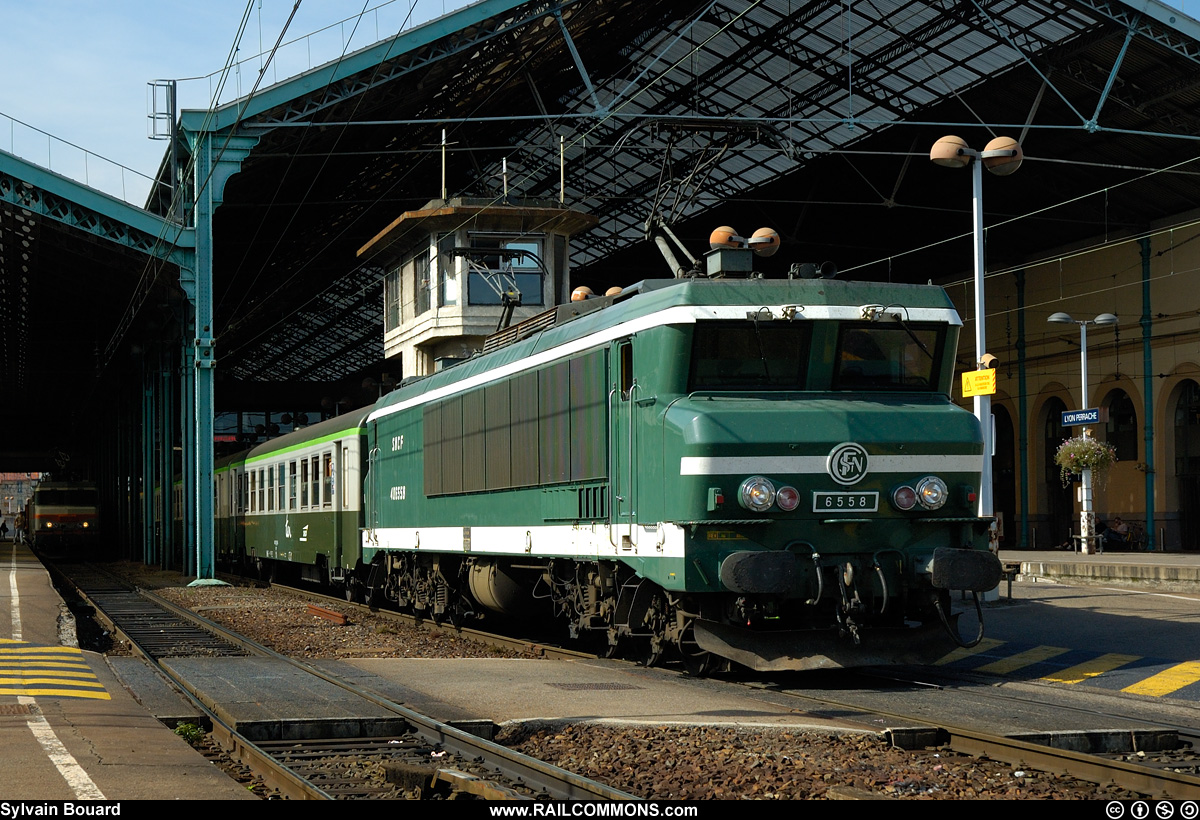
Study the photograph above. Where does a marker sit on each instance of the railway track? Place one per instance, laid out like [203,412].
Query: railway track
[430,759]
[1162,761]
[1139,771]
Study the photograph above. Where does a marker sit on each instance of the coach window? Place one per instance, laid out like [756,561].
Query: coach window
[292,486]
[315,476]
[253,506]
[327,474]
[262,490]
[270,487]
[279,487]
[304,484]
[345,477]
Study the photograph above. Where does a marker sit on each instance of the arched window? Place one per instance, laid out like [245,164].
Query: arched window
[1122,425]
[1187,430]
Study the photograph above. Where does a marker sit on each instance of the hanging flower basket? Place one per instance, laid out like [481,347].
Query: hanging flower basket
[1077,454]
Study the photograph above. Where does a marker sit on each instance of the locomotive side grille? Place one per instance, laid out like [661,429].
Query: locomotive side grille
[592,502]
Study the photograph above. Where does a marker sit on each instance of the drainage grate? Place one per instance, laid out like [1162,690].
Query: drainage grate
[19,709]
[589,687]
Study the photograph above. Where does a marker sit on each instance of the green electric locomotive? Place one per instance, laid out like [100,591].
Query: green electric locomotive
[769,472]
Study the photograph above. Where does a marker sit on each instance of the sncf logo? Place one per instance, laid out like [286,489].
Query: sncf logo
[847,463]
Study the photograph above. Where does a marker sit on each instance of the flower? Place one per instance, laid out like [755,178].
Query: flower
[1081,453]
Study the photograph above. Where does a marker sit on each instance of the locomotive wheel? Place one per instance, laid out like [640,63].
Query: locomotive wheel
[648,651]
[696,661]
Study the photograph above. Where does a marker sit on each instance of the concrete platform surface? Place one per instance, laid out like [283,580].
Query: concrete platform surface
[504,690]
[1171,571]
[69,728]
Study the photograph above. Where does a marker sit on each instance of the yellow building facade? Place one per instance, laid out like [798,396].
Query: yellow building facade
[1143,376]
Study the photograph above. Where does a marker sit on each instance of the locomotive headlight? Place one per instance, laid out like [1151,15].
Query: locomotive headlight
[904,498]
[931,492]
[788,498]
[85,525]
[756,494]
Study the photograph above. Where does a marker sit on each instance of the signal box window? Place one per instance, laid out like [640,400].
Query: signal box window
[762,355]
[391,299]
[421,271]
[871,356]
[520,260]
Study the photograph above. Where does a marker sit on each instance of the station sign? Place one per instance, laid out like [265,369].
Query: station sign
[979,382]
[1070,418]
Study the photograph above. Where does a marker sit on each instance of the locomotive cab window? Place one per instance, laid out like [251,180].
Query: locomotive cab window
[625,369]
[762,355]
[871,356]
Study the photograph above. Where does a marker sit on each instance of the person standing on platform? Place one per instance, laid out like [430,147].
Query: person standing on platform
[3,529]
[19,528]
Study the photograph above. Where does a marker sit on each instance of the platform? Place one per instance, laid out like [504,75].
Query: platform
[69,729]
[1168,571]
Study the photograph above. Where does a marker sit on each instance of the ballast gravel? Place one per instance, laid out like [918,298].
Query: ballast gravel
[653,762]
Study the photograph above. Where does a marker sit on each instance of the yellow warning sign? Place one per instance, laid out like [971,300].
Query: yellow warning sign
[979,382]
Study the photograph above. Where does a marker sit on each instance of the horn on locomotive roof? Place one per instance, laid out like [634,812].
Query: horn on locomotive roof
[810,270]
[764,241]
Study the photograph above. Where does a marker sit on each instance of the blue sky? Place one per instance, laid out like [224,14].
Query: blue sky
[78,69]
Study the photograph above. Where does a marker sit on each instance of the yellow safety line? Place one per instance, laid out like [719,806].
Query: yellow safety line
[1167,681]
[59,681]
[1021,660]
[49,673]
[1090,669]
[33,649]
[10,663]
[964,652]
[57,693]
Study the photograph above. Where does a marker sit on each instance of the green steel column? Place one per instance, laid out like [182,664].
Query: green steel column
[202,361]
[164,548]
[188,439]
[1022,411]
[1148,392]
[149,414]
[216,157]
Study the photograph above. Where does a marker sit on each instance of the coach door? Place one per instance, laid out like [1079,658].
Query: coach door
[622,447]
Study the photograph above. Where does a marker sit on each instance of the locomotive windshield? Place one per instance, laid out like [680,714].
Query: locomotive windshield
[65,497]
[750,355]
[871,356]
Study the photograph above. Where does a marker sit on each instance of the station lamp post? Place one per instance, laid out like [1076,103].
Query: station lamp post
[1002,156]
[1087,520]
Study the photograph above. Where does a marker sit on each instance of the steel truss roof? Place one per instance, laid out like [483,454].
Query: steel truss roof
[804,115]
[812,117]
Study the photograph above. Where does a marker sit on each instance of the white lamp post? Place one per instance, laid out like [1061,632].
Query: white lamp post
[1002,156]
[1087,520]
